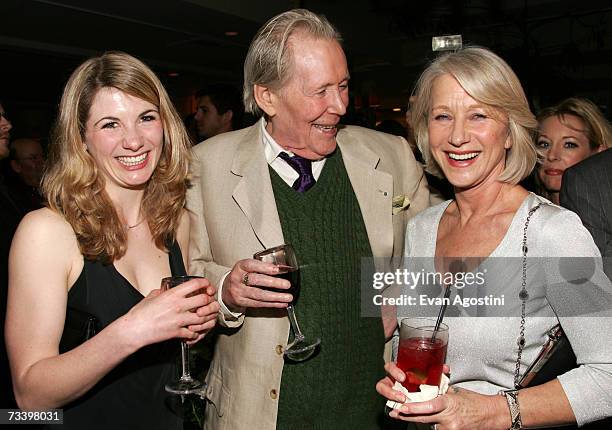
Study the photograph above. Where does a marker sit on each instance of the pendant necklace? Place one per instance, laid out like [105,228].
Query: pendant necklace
[129,227]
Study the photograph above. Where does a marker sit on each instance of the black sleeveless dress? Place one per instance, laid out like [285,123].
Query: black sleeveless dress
[132,395]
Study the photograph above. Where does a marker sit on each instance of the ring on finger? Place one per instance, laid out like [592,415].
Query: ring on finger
[245,279]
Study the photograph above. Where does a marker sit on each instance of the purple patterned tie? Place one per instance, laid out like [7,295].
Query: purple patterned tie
[304,168]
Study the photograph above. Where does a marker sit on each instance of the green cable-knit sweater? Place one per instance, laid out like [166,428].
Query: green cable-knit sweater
[335,389]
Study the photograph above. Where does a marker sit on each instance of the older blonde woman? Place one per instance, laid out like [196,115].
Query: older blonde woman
[568,133]
[473,124]
[115,226]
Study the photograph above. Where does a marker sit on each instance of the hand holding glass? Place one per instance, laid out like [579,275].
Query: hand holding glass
[283,256]
[185,384]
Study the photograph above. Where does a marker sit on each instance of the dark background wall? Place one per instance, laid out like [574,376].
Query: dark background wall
[558,48]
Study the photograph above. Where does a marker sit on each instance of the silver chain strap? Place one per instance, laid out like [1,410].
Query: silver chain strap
[523,295]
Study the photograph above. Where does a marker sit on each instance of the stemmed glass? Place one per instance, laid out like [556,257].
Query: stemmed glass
[185,384]
[283,256]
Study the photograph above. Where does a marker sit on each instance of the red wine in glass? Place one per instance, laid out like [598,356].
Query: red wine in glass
[292,275]
[283,256]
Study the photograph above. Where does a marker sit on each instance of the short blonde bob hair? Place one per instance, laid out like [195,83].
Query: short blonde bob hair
[73,185]
[269,60]
[596,127]
[488,79]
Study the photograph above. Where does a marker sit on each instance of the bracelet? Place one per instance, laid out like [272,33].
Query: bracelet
[515,410]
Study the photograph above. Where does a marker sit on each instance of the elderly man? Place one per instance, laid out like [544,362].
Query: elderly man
[298,177]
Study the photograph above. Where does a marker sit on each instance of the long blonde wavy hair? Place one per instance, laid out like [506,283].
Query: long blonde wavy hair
[73,184]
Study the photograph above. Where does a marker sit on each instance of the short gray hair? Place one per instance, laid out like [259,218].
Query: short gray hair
[490,80]
[269,60]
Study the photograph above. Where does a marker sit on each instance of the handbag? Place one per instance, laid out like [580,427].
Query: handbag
[79,326]
[555,357]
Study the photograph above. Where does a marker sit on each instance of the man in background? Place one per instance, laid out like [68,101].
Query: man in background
[220,110]
[10,215]
[27,163]
[586,189]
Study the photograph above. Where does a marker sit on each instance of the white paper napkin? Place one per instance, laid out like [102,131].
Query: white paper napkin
[427,392]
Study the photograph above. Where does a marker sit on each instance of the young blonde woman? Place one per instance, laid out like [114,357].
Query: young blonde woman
[114,227]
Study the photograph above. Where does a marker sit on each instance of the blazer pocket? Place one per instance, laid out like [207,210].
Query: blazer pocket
[217,395]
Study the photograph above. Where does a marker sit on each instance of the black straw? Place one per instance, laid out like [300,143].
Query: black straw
[447,292]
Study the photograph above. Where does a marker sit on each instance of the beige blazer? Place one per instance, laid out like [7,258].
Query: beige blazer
[234,215]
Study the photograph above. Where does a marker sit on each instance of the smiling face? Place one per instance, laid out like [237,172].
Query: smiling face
[467,139]
[5,128]
[563,144]
[304,114]
[124,135]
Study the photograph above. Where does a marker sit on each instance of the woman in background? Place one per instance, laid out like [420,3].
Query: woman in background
[114,227]
[569,132]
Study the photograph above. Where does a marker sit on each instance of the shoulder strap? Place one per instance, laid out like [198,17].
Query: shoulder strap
[175,257]
[523,295]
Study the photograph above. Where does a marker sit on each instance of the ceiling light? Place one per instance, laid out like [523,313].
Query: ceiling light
[446,43]
[397,109]
[231,33]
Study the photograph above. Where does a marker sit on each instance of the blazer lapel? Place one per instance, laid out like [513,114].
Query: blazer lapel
[254,193]
[374,191]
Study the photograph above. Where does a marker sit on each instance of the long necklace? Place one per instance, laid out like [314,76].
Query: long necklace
[523,295]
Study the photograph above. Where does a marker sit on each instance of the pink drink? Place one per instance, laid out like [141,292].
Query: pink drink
[421,360]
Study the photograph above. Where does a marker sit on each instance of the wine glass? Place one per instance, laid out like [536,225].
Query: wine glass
[283,256]
[185,384]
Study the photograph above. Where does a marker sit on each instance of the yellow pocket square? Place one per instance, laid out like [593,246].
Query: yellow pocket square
[400,203]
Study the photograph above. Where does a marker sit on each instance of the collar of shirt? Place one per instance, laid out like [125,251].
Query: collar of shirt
[280,166]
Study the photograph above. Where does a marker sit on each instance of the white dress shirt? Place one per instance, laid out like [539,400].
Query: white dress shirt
[280,166]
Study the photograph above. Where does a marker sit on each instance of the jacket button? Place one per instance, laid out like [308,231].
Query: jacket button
[279,349]
[273,394]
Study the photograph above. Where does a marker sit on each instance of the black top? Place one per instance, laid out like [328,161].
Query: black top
[132,395]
